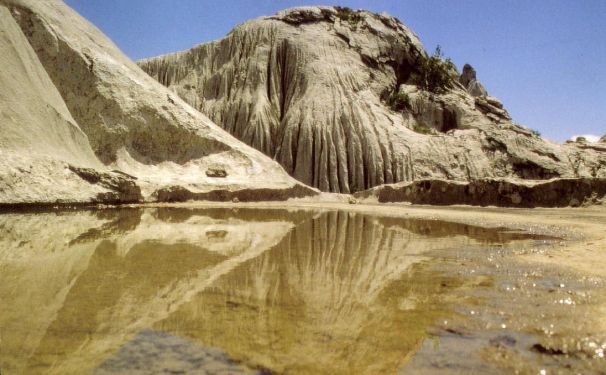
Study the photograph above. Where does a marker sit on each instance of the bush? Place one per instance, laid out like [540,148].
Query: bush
[399,101]
[434,73]
[348,15]
[421,128]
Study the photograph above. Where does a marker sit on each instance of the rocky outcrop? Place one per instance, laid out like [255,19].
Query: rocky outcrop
[42,149]
[123,187]
[75,109]
[603,139]
[470,82]
[310,87]
[181,194]
[492,192]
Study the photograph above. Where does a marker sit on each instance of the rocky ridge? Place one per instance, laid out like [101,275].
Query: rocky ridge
[309,87]
[83,124]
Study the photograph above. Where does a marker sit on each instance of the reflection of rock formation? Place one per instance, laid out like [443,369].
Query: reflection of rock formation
[336,296]
[37,270]
[93,281]
[298,291]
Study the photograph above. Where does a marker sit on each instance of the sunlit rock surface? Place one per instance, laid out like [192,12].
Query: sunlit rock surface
[70,97]
[41,145]
[309,85]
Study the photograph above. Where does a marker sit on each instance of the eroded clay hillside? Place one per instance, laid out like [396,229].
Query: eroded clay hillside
[330,94]
[83,123]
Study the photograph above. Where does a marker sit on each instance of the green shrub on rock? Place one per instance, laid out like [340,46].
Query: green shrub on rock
[434,74]
[421,128]
[399,101]
[348,15]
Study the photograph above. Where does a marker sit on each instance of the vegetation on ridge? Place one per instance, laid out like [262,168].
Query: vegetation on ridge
[348,15]
[434,74]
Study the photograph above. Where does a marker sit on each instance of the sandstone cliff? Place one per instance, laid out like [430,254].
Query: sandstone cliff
[310,86]
[75,108]
[43,152]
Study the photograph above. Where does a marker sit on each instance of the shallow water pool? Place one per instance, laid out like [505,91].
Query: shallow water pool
[229,291]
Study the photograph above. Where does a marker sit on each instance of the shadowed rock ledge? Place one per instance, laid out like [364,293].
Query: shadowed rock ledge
[493,192]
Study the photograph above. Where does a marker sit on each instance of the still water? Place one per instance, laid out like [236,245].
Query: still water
[231,291]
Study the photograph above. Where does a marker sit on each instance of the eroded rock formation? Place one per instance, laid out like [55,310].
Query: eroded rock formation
[41,145]
[309,87]
[469,80]
[82,123]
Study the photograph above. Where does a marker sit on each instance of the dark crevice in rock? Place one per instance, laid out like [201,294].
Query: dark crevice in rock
[530,170]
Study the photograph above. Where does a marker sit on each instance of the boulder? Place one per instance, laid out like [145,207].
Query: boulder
[216,172]
[470,82]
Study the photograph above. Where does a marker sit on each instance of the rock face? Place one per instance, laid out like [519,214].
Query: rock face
[309,87]
[603,139]
[492,192]
[42,149]
[74,109]
[470,82]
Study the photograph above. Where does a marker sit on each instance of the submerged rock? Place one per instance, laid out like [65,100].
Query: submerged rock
[311,88]
[73,99]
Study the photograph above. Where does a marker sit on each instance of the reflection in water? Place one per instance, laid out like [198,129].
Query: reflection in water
[286,291]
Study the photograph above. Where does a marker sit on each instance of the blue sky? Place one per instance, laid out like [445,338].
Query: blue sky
[545,59]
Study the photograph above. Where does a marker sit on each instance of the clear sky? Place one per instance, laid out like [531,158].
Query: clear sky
[545,59]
